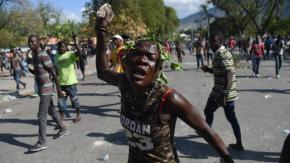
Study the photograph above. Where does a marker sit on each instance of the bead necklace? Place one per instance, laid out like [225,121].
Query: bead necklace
[136,102]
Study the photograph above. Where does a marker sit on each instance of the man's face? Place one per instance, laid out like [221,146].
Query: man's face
[141,68]
[62,48]
[118,42]
[214,44]
[33,43]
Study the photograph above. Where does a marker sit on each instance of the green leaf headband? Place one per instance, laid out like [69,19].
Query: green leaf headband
[164,55]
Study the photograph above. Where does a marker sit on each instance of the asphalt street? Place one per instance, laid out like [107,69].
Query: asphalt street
[263,110]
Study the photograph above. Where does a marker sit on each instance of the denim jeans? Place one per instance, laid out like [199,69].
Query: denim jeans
[17,76]
[229,110]
[256,65]
[46,106]
[179,57]
[71,91]
[267,54]
[278,62]
[36,90]
[199,59]
[209,56]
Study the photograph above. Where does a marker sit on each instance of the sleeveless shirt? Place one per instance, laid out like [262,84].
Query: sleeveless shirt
[150,140]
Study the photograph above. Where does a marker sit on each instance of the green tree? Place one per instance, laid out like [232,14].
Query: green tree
[221,25]
[259,12]
[8,39]
[204,8]
[278,27]
[19,20]
[171,20]
[128,18]
[29,23]
[64,30]
[8,11]
[136,17]
[235,15]
[50,16]
[153,12]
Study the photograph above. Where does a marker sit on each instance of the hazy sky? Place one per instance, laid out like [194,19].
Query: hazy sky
[73,8]
[185,7]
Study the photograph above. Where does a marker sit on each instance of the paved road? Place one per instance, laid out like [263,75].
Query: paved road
[8,86]
[262,109]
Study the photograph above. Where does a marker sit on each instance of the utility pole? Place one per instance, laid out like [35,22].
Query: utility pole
[204,7]
[208,28]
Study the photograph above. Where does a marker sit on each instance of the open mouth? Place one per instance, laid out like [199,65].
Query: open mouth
[138,73]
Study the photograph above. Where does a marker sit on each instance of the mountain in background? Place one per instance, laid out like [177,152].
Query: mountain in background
[199,19]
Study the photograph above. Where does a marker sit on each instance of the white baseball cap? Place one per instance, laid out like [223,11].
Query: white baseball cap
[118,37]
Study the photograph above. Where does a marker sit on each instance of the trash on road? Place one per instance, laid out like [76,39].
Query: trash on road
[8,98]
[267,96]
[25,93]
[8,111]
[286,131]
[105,157]
[98,143]
[90,72]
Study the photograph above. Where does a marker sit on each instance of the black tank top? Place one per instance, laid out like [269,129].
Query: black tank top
[150,140]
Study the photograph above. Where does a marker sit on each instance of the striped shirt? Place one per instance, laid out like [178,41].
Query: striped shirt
[42,63]
[223,60]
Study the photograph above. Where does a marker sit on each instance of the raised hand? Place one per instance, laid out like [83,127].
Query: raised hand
[104,16]
[74,35]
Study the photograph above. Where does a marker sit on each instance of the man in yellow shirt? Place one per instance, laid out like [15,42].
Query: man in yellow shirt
[65,61]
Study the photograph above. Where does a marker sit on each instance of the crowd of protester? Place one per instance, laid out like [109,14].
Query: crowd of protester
[54,71]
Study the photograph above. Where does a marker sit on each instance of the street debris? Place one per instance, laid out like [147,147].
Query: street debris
[98,143]
[7,111]
[267,96]
[286,131]
[8,98]
[105,157]
[90,72]
[25,93]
